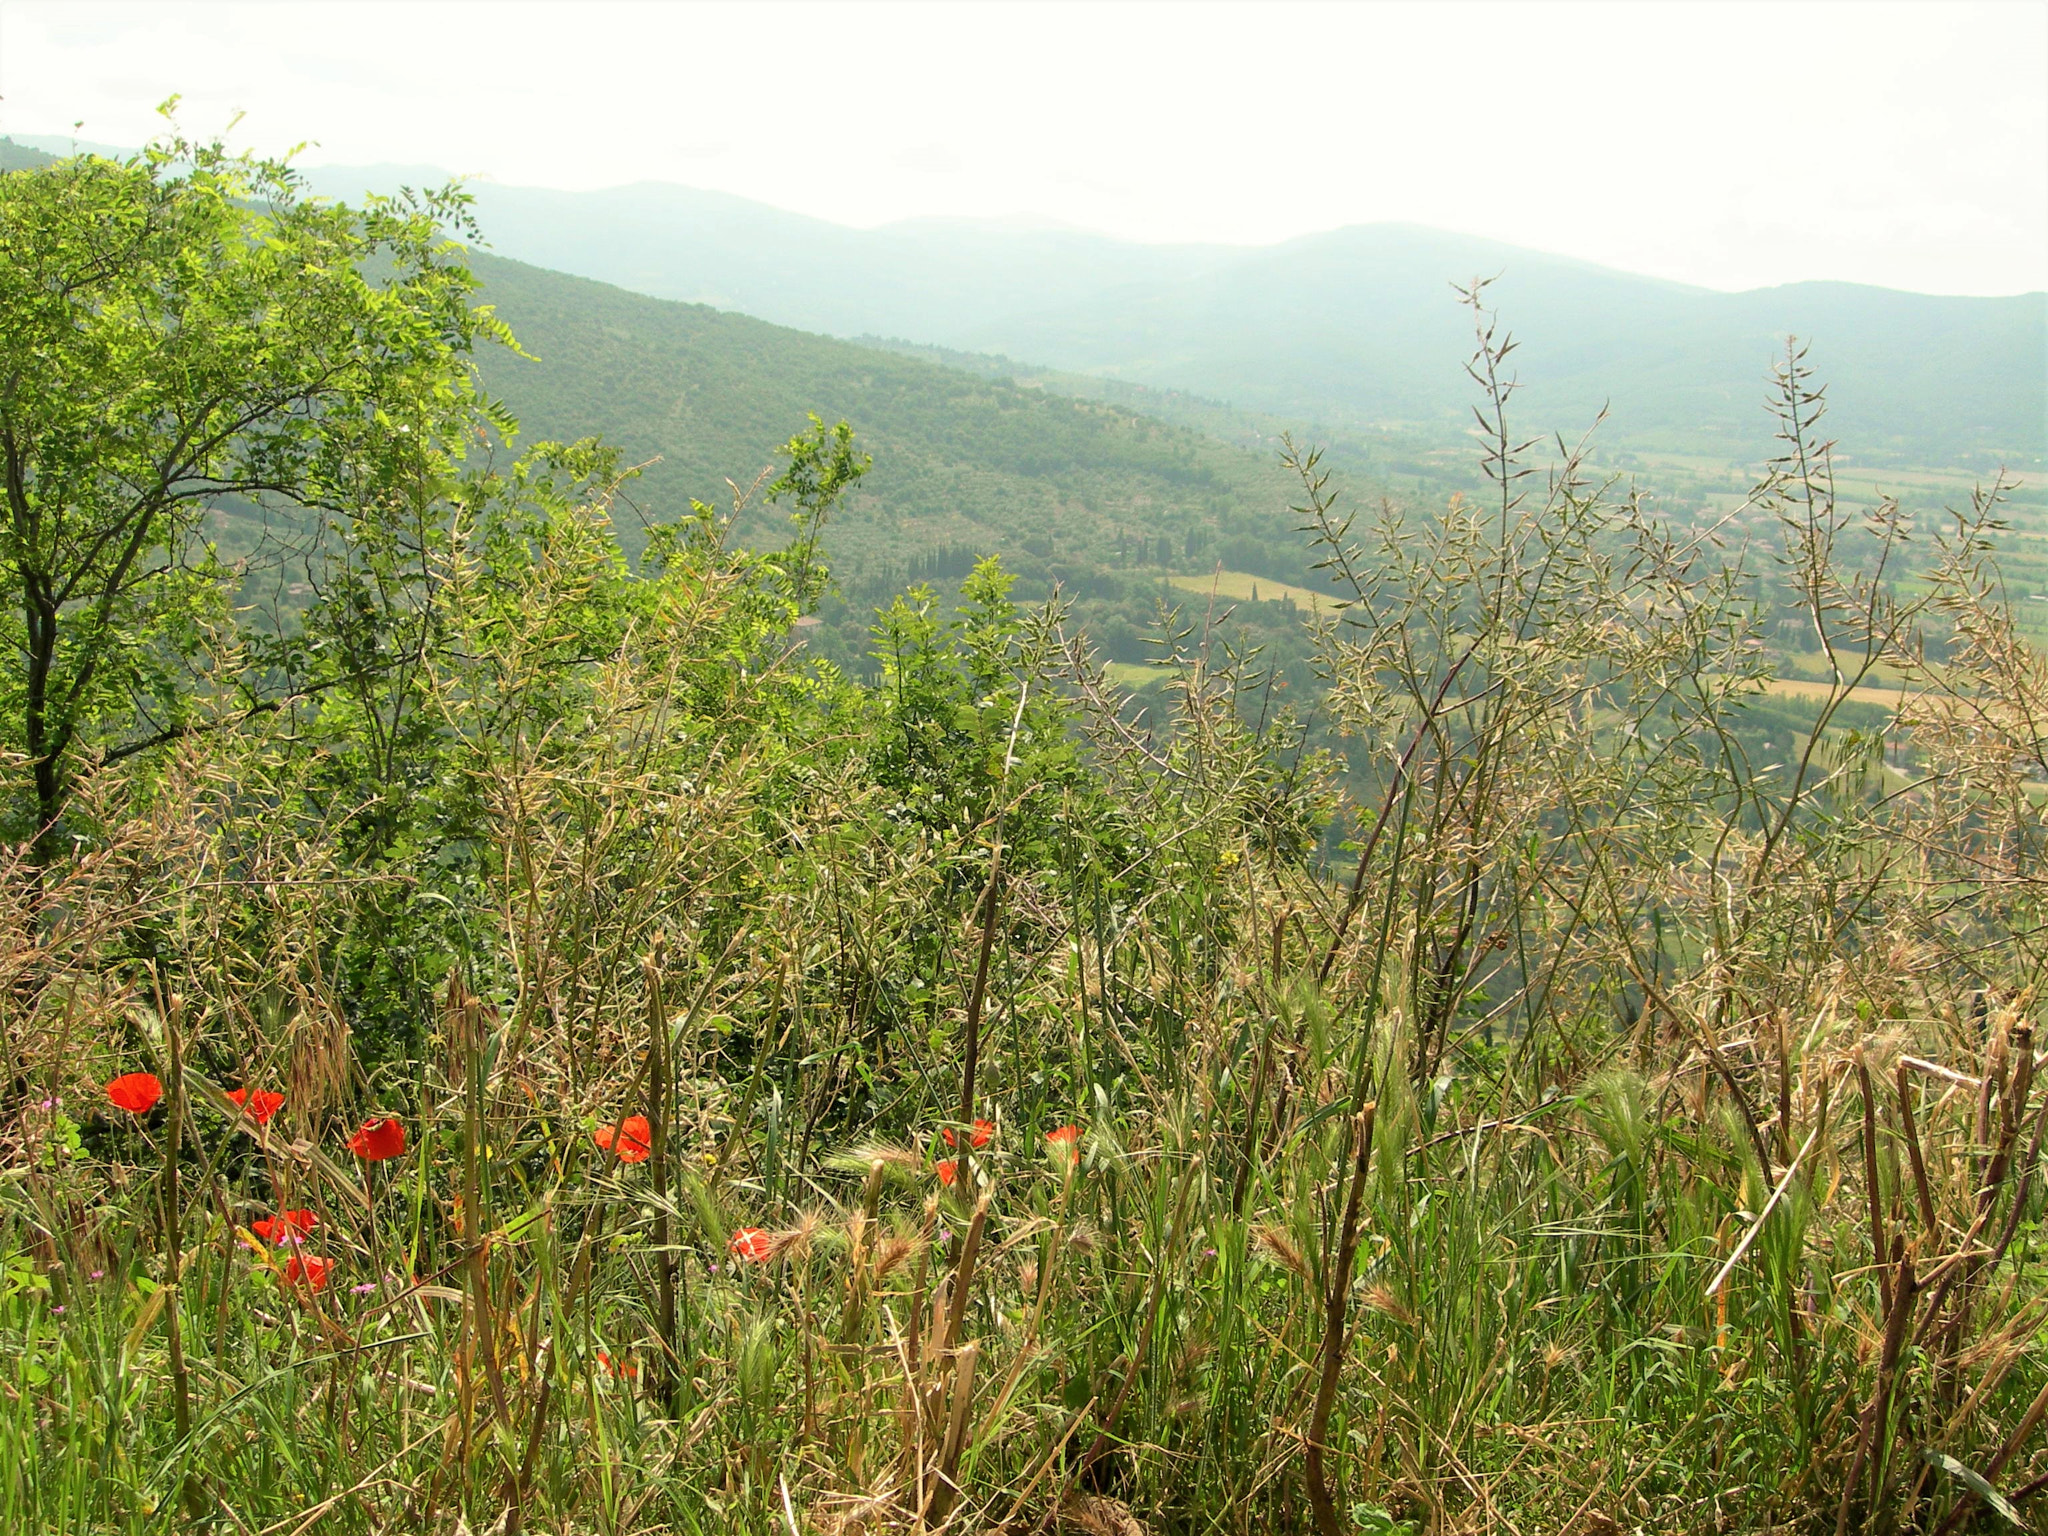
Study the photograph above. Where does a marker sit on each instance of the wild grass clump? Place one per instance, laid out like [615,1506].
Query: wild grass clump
[600,1071]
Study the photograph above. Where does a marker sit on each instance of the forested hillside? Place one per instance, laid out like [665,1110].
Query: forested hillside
[959,460]
[20,157]
[1096,499]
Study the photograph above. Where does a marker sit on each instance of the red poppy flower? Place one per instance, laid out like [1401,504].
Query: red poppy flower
[624,1369]
[137,1092]
[378,1140]
[285,1226]
[258,1104]
[635,1139]
[984,1133]
[949,1170]
[1068,1136]
[752,1244]
[307,1271]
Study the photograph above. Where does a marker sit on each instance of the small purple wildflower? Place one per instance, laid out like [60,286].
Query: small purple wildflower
[56,1310]
[364,1289]
[98,1274]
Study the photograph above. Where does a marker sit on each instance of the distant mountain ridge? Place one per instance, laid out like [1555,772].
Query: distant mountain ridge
[1358,325]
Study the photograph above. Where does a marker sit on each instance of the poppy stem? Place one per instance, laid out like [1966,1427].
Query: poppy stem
[658,1096]
[1336,1308]
[466,1017]
[976,999]
[181,1383]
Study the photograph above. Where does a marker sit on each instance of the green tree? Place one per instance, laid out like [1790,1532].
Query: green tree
[823,466]
[179,330]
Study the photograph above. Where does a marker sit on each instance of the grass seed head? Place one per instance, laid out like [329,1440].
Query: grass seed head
[893,1252]
[1381,1298]
[798,1239]
[1281,1249]
[895,1161]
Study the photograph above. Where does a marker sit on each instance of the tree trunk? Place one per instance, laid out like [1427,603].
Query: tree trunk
[38,739]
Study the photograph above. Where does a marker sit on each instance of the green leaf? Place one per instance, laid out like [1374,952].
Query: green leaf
[1977,1483]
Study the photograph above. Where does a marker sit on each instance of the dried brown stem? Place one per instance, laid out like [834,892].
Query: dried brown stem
[1336,1310]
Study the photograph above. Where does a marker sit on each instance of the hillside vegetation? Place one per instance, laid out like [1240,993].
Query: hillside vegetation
[1094,500]
[515,1042]
[1063,486]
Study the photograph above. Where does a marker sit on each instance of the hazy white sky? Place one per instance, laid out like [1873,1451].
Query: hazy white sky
[1728,144]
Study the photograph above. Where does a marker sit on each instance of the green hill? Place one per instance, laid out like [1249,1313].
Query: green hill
[1097,498]
[958,458]
[20,157]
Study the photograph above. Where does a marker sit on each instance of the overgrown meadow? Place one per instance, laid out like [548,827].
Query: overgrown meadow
[517,1043]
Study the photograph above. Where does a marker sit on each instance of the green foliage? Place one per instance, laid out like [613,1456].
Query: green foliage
[957,711]
[184,327]
[822,468]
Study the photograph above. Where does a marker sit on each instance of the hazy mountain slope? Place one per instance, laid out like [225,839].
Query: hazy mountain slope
[1063,485]
[936,276]
[21,157]
[1354,326]
[1354,329]
[1363,322]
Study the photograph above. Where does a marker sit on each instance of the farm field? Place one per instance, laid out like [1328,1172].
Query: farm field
[1804,688]
[1243,587]
[1135,674]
